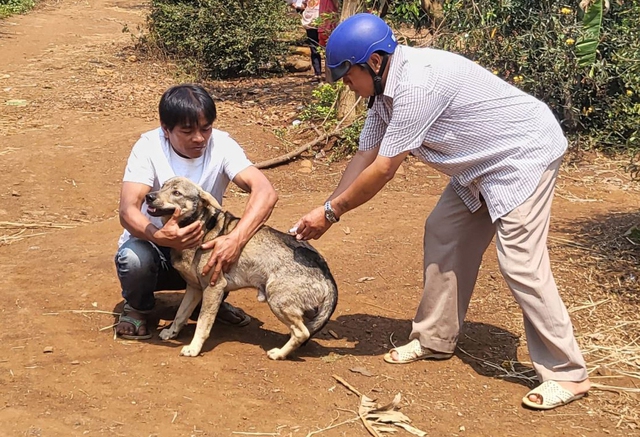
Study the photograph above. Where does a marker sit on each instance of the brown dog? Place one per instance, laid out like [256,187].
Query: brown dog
[289,274]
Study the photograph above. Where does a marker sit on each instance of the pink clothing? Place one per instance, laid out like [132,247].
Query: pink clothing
[327,7]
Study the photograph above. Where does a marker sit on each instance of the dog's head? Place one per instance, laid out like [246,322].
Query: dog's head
[181,193]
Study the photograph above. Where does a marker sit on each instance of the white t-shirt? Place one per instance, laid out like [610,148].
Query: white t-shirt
[152,161]
[311,14]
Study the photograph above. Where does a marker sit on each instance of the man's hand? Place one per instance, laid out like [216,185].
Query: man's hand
[172,235]
[312,225]
[226,251]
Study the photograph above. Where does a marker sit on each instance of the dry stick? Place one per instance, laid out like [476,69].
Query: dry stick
[107,327]
[590,305]
[507,374]
[347,385]
[15,225]
[254,433]
[300,150]
[330,427]
[297,152]
[366,424]
[82,312]
[614,388]
[382,308]
[349,112]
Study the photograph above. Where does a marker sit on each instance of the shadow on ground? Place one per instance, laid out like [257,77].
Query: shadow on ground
[489,350]
[609,246]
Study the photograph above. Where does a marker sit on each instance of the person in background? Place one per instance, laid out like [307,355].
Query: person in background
[310,17]
[298,5]
[328,20]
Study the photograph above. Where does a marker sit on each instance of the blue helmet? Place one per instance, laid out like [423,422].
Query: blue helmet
[355,40]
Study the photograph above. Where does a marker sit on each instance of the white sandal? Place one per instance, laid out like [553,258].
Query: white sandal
[553,395]
[413,351]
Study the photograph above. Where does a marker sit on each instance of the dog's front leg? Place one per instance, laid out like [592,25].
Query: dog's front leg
[211,300]
[191,299]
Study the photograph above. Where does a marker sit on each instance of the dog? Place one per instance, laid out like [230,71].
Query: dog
[290,275]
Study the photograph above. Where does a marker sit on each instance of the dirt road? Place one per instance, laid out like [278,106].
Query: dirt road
[74,96]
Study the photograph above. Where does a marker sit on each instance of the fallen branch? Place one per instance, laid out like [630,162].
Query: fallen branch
[255,433]
[299,151]
[16,225]
[347,385]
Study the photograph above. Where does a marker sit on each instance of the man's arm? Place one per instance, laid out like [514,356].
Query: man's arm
[133,220]
[262,199]
[364,187]
[368,184]
[361,160]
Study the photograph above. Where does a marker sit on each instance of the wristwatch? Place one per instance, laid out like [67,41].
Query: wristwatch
[329,213]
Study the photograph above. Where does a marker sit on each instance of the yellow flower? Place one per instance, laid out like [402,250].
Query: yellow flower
[565,11]
[517,79]
[495,72]
[570,41]
[587,111]
[629,93]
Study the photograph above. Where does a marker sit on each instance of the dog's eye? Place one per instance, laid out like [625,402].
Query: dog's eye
[176,193]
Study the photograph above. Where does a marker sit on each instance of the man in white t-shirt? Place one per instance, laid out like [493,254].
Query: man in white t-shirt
[185,145]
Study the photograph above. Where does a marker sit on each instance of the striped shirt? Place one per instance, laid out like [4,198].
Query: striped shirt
[491,138]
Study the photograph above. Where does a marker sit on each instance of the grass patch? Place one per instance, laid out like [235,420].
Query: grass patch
[11,7]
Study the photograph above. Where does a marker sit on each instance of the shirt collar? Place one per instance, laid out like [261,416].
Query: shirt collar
[395,67]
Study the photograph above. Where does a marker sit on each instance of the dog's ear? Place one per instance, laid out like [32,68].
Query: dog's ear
[208,198]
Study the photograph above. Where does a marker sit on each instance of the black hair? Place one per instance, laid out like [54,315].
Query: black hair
[184,105]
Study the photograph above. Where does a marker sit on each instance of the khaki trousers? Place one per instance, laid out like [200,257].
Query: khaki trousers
[454,243]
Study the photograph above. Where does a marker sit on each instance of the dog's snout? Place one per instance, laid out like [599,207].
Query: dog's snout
[150,197]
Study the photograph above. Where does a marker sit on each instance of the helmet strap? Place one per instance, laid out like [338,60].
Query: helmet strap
[377,78]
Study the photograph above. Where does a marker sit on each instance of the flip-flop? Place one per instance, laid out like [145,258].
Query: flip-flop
[232,316]
[136,324]
[413,351]
[553,395]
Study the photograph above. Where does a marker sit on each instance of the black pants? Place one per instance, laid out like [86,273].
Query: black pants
[316,62]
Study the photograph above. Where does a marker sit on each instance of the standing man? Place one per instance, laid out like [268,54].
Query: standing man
[186,145]
[502,149]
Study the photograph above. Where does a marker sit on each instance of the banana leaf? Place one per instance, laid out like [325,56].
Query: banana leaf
[587,45]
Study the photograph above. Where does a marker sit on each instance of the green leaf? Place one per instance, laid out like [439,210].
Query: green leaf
[587,45]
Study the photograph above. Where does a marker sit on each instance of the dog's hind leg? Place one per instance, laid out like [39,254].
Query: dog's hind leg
[190,301]
[299,334]
[211,300]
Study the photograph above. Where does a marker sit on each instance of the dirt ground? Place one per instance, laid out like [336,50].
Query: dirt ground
[74,97]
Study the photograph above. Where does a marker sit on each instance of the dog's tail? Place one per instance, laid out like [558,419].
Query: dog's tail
[326,308]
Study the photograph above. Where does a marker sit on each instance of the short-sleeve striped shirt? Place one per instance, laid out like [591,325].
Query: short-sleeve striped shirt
[491,138]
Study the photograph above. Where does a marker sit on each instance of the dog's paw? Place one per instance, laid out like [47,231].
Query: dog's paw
[276,354]
[189,351]
[168,334]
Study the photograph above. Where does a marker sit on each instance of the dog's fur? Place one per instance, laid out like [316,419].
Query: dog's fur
[290,274]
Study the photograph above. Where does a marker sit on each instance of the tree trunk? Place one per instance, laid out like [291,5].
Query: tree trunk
[346,98]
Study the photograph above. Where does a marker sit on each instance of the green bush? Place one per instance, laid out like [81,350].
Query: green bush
[222,38]
[322,110]
[10,7]
[323,104]
[531,43]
